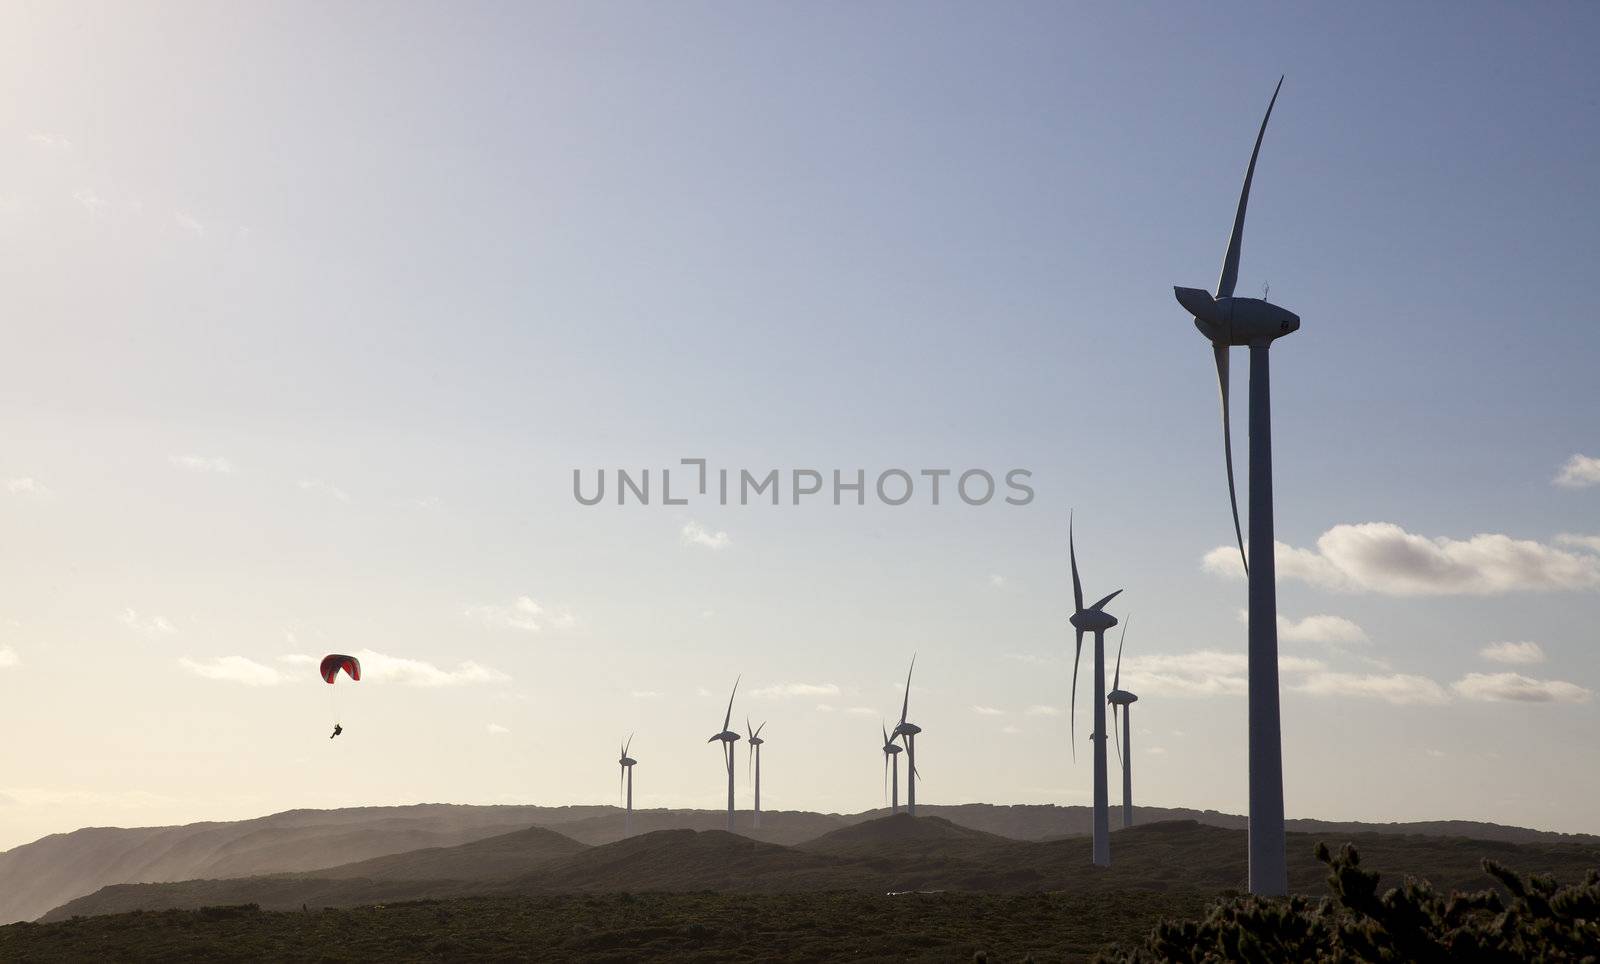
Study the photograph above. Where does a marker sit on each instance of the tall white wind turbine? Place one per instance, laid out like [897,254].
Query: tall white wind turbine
[1227,321]
[755,754]
[891,766]
[908,731]
[1121,697]
[1093,620]
[728,738]
[626,776]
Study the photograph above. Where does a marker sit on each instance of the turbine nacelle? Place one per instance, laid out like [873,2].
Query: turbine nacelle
[1236,321]
[1093,621]
[1121,698]
[627,762]
[907,729]
[726,736]
[891,748]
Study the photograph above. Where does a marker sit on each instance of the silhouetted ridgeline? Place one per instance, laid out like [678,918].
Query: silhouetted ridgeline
[342,845]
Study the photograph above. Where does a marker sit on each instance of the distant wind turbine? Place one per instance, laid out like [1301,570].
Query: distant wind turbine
[1093,620]
[891,764]
[1227,321]
[755,753]
[728,738]
[626,775]
[908,732]
[1121,697]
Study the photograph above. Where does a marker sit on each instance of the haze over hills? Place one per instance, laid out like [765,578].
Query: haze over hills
[890,854]
[38,876]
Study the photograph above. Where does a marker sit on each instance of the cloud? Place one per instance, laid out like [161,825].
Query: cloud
[9,658]
[189,224]
[863,711]
[824,708]
[495,729]
[1516,688]
[1032,659]
[795,689]
[1382,557]
[645,695]
[1514,653]
[298,659]
[29,486]
[524,613]
[997,581]
[1401,689]
[1039,709]
[50,142]
[1580,472]
[202,463]
[323,488]
[1320,628]
[382,668]
[151,626]
[233,669]
[1157,751]
[695,534]
[1010,730]
[987,710]
[92,202]
[1205,672]
[1592,543]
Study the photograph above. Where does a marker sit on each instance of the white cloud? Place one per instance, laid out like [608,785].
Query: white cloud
[1580,472]
[233,669]
[1514,653]
[9,657]
[382,668]
[1039,709]
[987,710]
[50,142]
[1320,628]
[189,224]
[695,534]
[645,695]
[1032,659]
[1382,557]
[824,708]
[1009,730]
[323,488]
[202,463]
[1401,689]
[92,202]
[863,711]
[27,485]
[1157,751]
[781,690]
[298,659]
[1514,687]
[997,581]
[495,729]
[524,613]
[1592,543]
[146,625]
[1205,672]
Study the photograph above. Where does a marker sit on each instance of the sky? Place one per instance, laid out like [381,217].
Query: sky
[312,312]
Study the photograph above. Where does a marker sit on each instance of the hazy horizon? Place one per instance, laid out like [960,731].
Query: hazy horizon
[313,313]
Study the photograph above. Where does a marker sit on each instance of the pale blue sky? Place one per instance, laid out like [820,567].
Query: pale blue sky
[404,267]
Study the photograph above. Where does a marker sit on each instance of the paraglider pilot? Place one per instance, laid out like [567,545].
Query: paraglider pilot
[337,729]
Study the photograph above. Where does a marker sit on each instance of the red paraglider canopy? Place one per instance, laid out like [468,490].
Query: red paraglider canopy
[334,662]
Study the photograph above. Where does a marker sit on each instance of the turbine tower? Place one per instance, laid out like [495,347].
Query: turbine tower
[1093,620]
[891,764]
[1121,697]
[626,776]
[755,753]
[1227,321]
[908,732]
[728,738]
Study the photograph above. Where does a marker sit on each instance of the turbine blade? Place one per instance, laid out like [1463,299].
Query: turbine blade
[761,727]
[1072,715]
[1097,606]
[1230,262]
[749,733]
[885,726]
[1072,553]
[628,745]
[1221,351]
[906,706]
[1116,680]
[1116,733]
[729,717]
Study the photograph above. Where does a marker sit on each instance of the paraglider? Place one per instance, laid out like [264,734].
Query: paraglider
[331,665]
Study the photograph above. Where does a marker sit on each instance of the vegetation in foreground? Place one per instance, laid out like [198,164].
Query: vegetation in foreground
[622,927]
[1535,919]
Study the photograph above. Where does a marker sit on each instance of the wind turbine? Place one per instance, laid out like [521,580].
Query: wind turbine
[755,752]
[1227,321]
[1093,620]
[728,738]
[626,775]
[1121,697]
[908,732]
[891,762]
